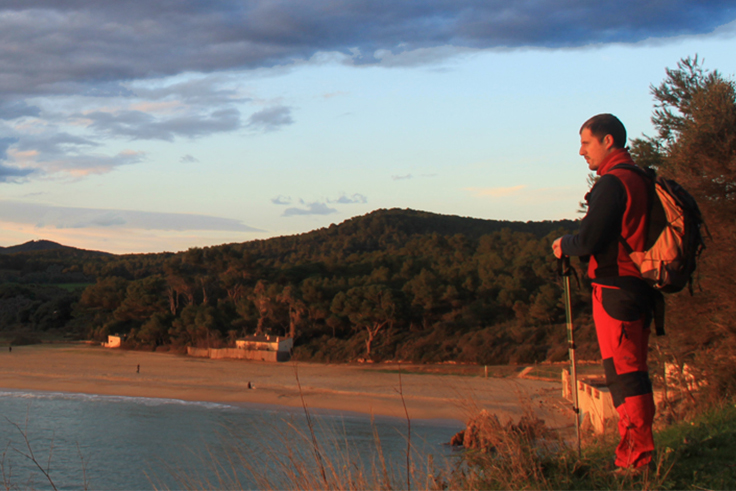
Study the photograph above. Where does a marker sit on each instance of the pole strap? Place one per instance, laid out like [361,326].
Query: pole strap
[564,268]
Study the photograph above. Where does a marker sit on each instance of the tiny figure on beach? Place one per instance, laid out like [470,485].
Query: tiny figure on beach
[250,386]
[10,349]
[138,369]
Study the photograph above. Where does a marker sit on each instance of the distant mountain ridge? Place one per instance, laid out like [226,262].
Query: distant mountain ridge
[378,229]
[42,246]
[415,222]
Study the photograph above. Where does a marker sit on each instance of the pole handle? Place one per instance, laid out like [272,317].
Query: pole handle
[563,266]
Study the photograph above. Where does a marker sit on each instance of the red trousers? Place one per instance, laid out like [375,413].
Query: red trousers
[623,337]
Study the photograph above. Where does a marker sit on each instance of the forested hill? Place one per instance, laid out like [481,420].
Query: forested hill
[389,230]
[379,230]
[44,261]
[397,223]
[35,246]
[391,284]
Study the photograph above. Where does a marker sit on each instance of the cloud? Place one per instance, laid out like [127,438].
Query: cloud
[188,159]
[164,110]
[59,135]
[90,46]
[11,174]
[317,207]
[139,125]
[406,177]
[47,152]
[43,216]
[208,90]
[281,200]
[496,192]
[311,209]
[349,200]
[4,144]
[50,154]
[338,93]
[166,70]
[271,118]
[10,110]
[53,143]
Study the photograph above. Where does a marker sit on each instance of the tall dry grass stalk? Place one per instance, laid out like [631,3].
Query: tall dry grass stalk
[310,425]
[292,456]
[25,450]
[507,456]
[285,459]
[408,431]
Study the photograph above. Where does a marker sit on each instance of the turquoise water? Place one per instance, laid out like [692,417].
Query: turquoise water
[122,443]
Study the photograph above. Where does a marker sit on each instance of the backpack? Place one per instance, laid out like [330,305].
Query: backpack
[674,241]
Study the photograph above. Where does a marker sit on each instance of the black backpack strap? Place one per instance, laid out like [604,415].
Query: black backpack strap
[658,310]
[626,245]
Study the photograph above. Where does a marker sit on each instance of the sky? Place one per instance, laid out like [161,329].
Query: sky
[136,126]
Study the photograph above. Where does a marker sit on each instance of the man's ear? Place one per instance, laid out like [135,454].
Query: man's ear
[608,142]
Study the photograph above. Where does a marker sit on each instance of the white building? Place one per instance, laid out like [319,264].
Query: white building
[113,341]
[265,343]
[258,348]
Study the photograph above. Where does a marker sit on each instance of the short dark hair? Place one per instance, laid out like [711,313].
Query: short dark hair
[601,125]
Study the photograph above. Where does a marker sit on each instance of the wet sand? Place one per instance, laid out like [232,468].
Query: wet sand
[370,389]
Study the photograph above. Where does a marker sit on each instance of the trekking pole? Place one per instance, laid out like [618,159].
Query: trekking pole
[565,271]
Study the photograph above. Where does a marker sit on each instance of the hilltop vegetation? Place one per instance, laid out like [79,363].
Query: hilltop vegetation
[390,284]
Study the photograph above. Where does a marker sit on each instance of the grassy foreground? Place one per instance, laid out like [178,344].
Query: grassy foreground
[702,453]
[695,454]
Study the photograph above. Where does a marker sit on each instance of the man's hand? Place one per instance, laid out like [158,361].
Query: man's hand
[557,248]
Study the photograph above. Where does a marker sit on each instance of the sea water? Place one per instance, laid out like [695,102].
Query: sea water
[81,441]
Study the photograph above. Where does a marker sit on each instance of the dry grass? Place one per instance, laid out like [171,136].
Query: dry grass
[293,457]
[288,460]
[27,452]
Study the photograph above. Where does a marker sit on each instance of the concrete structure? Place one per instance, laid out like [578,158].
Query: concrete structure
[113,341]
[265,343]
[260,348]
[594,400]
[596,405]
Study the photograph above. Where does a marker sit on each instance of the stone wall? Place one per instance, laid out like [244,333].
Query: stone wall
[237,354]
[594,401]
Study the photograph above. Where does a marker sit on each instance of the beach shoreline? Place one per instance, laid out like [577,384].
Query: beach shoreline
[371,390]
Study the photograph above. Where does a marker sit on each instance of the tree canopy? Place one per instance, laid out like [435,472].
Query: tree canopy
[695,118]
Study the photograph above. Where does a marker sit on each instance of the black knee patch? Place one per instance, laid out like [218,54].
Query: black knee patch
[625,385]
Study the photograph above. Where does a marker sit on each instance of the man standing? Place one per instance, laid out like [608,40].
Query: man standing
[622,301]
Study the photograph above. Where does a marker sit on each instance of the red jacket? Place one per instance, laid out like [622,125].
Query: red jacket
[617,206]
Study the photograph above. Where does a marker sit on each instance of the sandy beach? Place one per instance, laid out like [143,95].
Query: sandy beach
[369,389]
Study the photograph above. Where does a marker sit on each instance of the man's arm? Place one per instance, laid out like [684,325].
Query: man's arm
[602,223]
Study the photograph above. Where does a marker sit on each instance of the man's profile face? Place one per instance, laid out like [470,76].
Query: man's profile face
[593,149]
